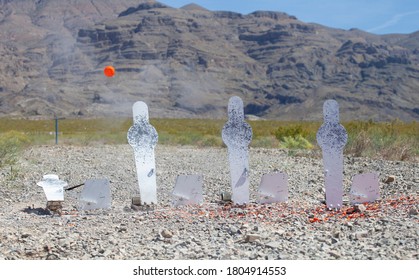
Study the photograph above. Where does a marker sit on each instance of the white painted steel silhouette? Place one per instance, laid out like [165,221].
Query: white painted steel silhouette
[332,138]
[237,135]
[142,136]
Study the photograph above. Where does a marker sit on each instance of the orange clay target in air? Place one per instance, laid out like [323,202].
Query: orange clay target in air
[109,71]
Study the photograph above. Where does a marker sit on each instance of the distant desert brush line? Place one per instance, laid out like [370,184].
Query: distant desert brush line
[394,140]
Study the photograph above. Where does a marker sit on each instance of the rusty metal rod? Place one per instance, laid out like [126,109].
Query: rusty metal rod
[73,187]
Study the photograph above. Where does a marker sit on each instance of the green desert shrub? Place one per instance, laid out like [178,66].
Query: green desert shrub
[290,131]
[297,142]
[11,143]
[293,136]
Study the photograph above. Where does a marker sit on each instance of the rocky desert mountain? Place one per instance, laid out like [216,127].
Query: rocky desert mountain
[187,62]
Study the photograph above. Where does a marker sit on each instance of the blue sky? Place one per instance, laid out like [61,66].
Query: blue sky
[375,16]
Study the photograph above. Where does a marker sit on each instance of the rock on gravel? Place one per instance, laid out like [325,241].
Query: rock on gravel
[299,229]
[166,233]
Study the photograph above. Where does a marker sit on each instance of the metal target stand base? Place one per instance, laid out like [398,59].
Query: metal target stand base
[225,197]
[55,206]
[137,205]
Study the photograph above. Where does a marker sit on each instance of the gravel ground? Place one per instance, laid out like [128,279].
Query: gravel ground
[299,229]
